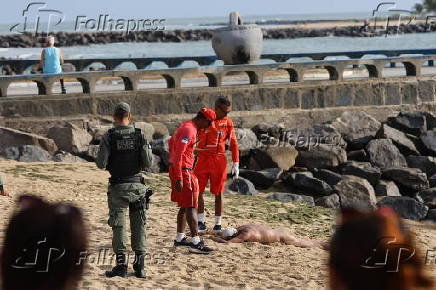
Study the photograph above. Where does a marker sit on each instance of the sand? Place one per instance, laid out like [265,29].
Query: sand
[247,266]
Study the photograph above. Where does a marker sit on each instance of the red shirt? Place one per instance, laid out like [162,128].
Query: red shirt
[213,139]
[181,147]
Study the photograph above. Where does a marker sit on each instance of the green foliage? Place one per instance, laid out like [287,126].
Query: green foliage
[427,5]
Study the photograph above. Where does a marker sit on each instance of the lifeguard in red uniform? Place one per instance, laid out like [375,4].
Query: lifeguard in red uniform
[184,183]
[212,162]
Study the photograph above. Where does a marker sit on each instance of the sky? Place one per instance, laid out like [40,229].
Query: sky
[11,11]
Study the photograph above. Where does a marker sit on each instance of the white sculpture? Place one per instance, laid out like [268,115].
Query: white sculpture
[238,43]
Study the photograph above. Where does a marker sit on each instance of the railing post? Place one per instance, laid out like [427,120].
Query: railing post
[4,89]
[256,77]
[215,79]
[88,84]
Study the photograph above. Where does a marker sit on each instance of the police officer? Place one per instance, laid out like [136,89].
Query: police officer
[125,152]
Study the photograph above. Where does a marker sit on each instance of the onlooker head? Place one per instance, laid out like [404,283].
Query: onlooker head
[43,246]
[50,40]
[374,251]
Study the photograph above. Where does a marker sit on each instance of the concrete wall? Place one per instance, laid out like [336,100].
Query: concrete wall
[295,96]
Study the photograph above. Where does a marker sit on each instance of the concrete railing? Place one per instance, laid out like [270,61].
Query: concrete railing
[215,74]
[19,66]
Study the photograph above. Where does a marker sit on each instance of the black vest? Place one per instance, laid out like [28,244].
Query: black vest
[125,153]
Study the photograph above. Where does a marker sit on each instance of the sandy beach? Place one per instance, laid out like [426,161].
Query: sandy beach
[246,266]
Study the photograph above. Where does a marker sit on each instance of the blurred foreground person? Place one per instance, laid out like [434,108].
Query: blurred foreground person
[374,251]
[43,246]
[264,235]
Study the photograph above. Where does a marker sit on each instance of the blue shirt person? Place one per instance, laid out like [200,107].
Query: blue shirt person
[52,60]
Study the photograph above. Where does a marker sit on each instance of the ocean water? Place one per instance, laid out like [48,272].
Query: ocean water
[204,48]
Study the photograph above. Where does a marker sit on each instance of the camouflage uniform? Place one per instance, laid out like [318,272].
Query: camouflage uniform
[125,196]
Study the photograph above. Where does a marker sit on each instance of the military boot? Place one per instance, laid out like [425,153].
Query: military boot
[120,269]
[138,266]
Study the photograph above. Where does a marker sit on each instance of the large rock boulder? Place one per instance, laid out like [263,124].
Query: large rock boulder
[273,157]
[290,197]
[384,154]
[404,144]
[247,140]
[408,179]
[431,215]
[362,169]
[357,128]
[357,193]
[358,155]
[28,153]
[160,148]
[387,188]
[308,138]
[14,138]
[91,153]
[97,132]
[414,123]
[146,128]
[432,180]
[321,156]
[330,177]
[331,201]
[428,196]
[70,138]
[155,166]
[310,184]
[426,164]
[262,179]
[62,156]
[160,130]
[428,140]
[406,207]
[243,186]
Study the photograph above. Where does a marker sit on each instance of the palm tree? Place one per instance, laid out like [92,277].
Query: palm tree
[418,8]
[429,5]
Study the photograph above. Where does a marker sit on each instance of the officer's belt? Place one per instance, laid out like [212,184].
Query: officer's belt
[129,179]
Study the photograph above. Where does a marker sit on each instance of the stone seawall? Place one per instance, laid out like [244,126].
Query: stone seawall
[302,98]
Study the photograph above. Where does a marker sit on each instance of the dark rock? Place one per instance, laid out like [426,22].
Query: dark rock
[427,164]
[358,155]
[288,197]
[160,148]
[431,215]
[319,135]
[273,157]
[62,156]
[14,138]
[404,144]
[243,186]
[362,169]
[70,138]
[355,192]
[310,184]
[432,180]
[406,207]
[428,196]
[28,153]
[321,156]
[413,123]
[262,179]
[411,179]
[331,201]
[387,188]
[357,128]
[330,177]
[428,140]
[384,154]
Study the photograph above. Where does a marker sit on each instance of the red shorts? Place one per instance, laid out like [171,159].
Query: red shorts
[213,168]
[188,197]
